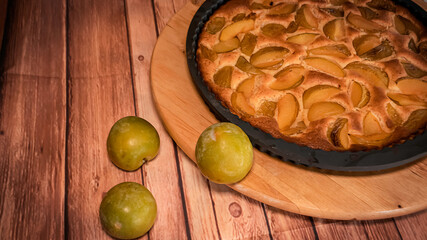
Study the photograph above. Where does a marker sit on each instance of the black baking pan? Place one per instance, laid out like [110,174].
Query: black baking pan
[372,160]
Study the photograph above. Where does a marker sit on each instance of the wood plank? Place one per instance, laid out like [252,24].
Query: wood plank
[164,11]
[413,226]
[285,225]
[161,174]
[378,229]
[32,121]
[179,4]
[201,214]
[238,216]
[331,229]
[381,229]
[100,93]
[201,217]
[198,203]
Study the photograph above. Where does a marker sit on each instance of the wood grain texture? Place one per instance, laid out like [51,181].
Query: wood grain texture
[100,93]
[283,185]
[413,226]
[179,4]
[381,229]
[201,219]
[201,214]
[32,121]
[160,174]
[329,229]
[285,225]
[164,10]
[238,217]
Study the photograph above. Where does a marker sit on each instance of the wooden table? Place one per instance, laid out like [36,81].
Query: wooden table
[69,70]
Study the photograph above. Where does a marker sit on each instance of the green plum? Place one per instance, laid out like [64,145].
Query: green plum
[128,211]
[131,142]
[224,153]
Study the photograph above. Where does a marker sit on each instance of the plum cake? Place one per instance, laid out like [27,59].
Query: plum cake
[337,75]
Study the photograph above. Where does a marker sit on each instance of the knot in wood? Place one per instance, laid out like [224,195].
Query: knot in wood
[235,209]
[141,58]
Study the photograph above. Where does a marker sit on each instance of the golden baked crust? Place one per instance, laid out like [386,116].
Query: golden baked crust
[332,75]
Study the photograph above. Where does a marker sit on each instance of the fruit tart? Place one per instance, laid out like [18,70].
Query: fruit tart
[336,75]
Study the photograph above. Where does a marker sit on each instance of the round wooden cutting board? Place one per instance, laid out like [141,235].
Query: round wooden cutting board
[298,189]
